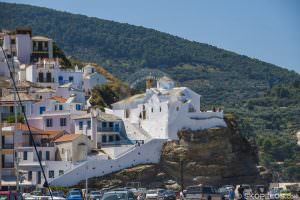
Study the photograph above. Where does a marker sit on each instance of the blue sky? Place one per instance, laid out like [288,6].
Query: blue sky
[265,29]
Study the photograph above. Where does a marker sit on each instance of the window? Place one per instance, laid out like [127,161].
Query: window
[47,155]
[25,155]
[63,121]
[11,109]
[93,70]
[60,172]
[103,124]
[48,122]
[151,109]
[117,127]
[71,78]
[177,108]
[42,109]
[39,178]
[159,109]
[30,176]
[80,125]
[13,41]
[78,107]
[103,138]
[51,174]
[88,124]
[48,77]
[60,80]
[55,107]
[111,124]
[60,107]
[41,155]
[41,77]
[62,150]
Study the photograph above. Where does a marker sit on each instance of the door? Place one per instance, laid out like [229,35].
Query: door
[41,77]
[49,77]
[42,109]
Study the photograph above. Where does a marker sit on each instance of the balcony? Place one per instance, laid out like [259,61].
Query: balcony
[8,165]
[106,129]
[7,146]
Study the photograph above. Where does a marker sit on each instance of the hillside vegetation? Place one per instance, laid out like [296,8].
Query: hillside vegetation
[263,97]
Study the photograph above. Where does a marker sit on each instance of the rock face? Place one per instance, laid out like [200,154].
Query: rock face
[213,156]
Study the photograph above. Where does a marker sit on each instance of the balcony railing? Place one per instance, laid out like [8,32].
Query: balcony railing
[107,129]
[8,165]
[7,146]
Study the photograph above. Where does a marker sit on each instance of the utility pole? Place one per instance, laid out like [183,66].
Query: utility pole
[86,182]
[181,174]
[1,152]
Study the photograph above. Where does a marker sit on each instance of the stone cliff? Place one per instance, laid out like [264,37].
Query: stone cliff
[214,156]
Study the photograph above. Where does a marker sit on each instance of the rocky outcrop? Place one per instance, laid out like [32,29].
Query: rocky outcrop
[213,156]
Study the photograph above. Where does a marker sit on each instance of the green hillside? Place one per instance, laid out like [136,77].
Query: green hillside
[263,97]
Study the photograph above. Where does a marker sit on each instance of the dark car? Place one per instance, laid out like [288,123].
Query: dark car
[168,195]
[118,195]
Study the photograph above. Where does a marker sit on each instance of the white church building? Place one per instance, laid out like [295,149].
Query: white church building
[164,110]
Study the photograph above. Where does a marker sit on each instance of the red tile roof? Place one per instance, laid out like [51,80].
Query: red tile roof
[68,138]
[24,127]
[59,99]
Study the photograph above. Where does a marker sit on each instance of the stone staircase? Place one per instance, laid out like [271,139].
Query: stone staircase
[134,132]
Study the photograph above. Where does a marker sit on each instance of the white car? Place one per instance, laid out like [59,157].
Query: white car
[154,194]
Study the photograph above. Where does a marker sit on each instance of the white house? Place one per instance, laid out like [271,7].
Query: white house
[55,114]
[100,127]
[91,78]
[7,104]
[164,110]
[68,90]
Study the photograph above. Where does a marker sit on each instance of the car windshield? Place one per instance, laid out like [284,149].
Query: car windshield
[3,196]
[114,196]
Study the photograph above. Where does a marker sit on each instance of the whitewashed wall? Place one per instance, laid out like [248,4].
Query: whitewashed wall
[145,154]
[23,47]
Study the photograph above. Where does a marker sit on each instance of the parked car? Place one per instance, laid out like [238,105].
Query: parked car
[8,195]
[168,195]
[202,192]
[74,195]
[286,195]
[95,195]
[155,194]
[118,195]
[76,190]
